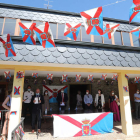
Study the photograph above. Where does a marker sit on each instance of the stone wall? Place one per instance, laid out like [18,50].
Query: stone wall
[106,88]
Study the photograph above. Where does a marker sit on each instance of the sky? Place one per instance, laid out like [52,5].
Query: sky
[117,11]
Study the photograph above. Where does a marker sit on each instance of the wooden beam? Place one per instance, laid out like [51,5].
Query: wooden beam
[3,26]
[17,28]
[92,38]
[131,39]
[113,40]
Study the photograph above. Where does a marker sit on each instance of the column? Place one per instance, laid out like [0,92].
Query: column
[126,117]
[16,104]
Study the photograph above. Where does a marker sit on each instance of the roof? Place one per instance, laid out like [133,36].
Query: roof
[40,14]
[69,53]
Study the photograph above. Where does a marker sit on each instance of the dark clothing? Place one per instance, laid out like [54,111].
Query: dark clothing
[112,98]
[36,107]
[36,111]
[99,102]
[88,107]
[59,99]
[25,107]
[137,112]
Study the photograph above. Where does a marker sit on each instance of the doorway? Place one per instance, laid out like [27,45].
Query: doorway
[73,93]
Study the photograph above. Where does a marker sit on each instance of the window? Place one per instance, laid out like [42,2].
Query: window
[97,39]
[117,37]
[1,24]
[37,23]
[53,27]
[24,21]
[9,27]
[126,39]
[85,36]
[136,41]
[107,41]
[61,28]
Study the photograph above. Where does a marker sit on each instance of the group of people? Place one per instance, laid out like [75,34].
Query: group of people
[99,102]
[37,103]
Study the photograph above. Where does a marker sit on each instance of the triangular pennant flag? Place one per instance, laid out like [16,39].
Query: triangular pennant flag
[16,90]
[137,80]
[45,36]
[136,31]
[115,77]
[78,78]
[20,74]
[27,32]
[103,77]
[125,88]
[134,11]
[7,74]
[90,77]
[49,76]
[109,30]
[93,21]
[72,30]
[8,45]
[35,75]
[21,129]
[64,78]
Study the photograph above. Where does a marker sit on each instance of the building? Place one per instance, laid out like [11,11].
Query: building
[88,55]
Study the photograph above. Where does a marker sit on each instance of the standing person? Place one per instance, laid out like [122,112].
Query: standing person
[46,102]
[37,101]
[62,99]
[113,99]
[79,101]
[27,101]
[99,100]
[137,103]
[6,104]
[88,100]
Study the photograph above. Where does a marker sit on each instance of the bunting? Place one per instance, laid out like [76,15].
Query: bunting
[115,77]
[45,36]
[136,31]
[20,74]
[64,78]
[78,78]
[49,76]
[137,80]
[16,90]
[103,77]
[93,21]
[72,30]
[35,75]
[125,88]
[90,77]
[7,74]
[8,45]
[127,77]
[27,32]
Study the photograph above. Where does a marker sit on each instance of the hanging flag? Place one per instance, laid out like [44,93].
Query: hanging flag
[27,32]
[72,30]
[20,74]
[16,90]
[115,77]
[78,78]
[49,76]
[8,45]
[43,82]
[93,21]
[13,112]
[137,80]
[103,77]
[21,129]
[64,78]
[136,31]
[7,74]
[17,132]
[127,77]
[109,30]
[35,75]
[125,88]
[45,36]
[90,77]
[134,14]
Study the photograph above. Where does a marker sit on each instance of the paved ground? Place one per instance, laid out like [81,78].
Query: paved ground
[47,130]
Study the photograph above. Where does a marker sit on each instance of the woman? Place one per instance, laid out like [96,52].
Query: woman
[113,99]
[46,102]
[79,101]
[6,104]
[99,100]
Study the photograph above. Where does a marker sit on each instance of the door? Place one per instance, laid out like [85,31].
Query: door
[132,91]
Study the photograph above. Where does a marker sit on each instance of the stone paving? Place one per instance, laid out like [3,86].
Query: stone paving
[47,133]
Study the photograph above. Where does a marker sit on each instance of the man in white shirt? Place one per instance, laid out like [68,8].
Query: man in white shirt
[88,100]
[27,101]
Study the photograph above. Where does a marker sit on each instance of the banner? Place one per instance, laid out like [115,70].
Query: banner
[82,124]
[53,91]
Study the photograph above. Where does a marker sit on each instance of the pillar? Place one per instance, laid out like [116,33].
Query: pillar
[126,117]
[16,104]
